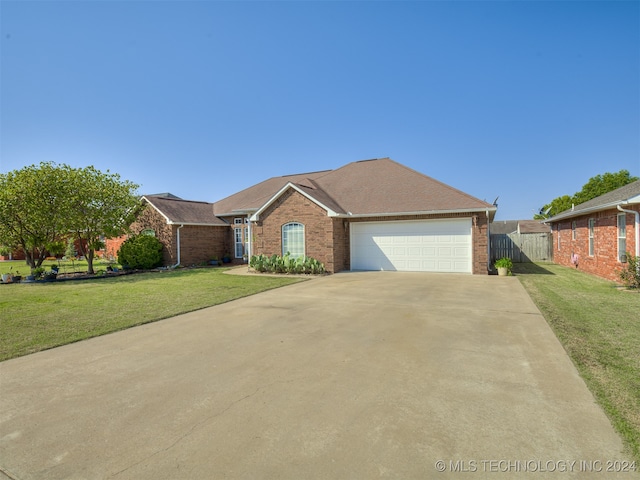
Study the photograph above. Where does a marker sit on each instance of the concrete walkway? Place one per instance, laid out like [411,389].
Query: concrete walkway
[354,375]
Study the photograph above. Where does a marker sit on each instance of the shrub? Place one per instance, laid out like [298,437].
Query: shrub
[286,264]
[140,251]
[630,275]
[504,262]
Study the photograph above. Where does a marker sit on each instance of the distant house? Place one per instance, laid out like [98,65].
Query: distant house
[519,226]
[595,235]
[368,215]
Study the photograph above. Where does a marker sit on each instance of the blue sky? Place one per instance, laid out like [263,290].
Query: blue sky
[516,99]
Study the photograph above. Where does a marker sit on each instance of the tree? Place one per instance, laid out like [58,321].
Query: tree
[596,186]
[44,204]
[101,205]
[601,184]
[32,205]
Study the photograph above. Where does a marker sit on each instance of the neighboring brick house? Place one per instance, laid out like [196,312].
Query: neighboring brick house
[368,215]
[594,236]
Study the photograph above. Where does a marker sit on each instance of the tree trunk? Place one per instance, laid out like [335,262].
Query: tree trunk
[89,258]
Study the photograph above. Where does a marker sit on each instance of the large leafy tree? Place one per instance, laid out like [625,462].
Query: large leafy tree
[596,186]
[32,205]
[43,204]
[101,205]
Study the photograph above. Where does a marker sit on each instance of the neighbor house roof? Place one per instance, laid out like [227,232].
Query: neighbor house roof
[629,194]
[365,188]
[520,226]
[184,212]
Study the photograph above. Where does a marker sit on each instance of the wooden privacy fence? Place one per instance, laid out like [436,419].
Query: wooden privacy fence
[521,247]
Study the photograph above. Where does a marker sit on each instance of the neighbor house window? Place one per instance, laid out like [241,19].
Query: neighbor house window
[148,231]
[592,227]
[622,235]
[573,230]
[293,239]
[237,221]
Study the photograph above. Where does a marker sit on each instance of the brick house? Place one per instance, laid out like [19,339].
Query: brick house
[367,215]
[594,236]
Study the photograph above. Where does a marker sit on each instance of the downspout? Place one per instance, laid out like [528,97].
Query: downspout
[489,269]
[249,249]
[637,214]
[178,246]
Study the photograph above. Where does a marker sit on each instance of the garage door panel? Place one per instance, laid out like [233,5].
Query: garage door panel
[431,245]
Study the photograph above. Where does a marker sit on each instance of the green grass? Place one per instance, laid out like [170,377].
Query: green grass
[598,324]
[39,316]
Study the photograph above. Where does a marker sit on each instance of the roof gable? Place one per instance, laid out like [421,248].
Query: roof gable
[365,188]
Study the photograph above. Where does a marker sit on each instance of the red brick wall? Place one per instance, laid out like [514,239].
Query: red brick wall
[604,262]
[327,239]
[198,244]
[292,206]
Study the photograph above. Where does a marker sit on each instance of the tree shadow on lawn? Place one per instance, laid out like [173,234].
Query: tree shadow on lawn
[530,269]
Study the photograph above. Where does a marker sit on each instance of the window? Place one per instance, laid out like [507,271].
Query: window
[558,233]
[239,248]
[622,235]
[293,239]
[148,231]
[592,227]
[573,230]
[237,221]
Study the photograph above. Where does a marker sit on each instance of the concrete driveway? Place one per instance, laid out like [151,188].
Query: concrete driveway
[355,375]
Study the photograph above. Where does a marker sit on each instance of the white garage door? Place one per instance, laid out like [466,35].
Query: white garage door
[416,246]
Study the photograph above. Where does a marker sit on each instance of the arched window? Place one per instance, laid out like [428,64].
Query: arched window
[293,239]
[148,231]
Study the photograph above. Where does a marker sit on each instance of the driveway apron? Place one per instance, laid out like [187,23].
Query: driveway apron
[355,375]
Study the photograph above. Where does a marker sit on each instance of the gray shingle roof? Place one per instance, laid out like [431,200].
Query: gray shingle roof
[603,202]
[368,187]
[185,211]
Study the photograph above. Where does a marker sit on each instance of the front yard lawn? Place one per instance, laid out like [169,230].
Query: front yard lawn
[39,316]
[599,326]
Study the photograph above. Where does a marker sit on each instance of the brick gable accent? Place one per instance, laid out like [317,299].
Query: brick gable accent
[319,230]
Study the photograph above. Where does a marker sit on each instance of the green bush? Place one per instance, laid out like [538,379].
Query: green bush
[504,262]
[286,264]
[630,276]
[140,252]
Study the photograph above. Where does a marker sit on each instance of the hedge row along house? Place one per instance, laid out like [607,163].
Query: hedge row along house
[367,215]
[595,236]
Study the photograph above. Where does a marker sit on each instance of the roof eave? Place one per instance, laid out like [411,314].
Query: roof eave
[596,208]
[418,212]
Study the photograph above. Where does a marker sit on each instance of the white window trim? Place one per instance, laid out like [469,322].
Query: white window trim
[304,247]
[622,216]
[236,243]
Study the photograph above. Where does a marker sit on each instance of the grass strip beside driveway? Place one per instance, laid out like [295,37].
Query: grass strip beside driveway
[39,316]
[599,326]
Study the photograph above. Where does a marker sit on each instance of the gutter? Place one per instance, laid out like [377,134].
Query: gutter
[637,214]
[423,212]
[178,246]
